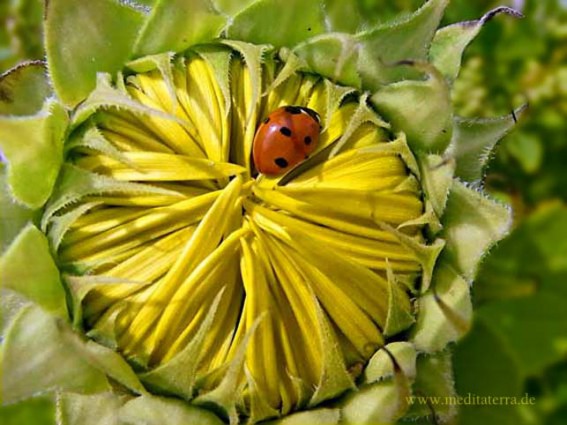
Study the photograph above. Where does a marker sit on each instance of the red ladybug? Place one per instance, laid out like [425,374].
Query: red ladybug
[286,137]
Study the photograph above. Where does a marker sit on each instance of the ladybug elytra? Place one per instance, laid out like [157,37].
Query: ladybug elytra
[285,138]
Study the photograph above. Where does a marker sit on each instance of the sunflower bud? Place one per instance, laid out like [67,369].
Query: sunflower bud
[186,281]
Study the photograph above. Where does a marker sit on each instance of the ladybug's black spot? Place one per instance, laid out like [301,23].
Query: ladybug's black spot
[285,131]
[294,110]
[281,162]
[267,120]
[307,140]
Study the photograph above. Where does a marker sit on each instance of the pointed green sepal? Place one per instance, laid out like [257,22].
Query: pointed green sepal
[335,379]
[399,315]
[33,146]
[472,224]
[175,25]
[444,312]
[106,95]
[278,22]
[163,63]
[253,57]
[35,358]
[362,114]
[84,38]
[28,268]
[74,183]
[151,410]
[92,138]
[311,417]
[292,64]
[79,287]
[450,42]
[382,367]
[222,397]
[219,59]
[106,333]
[23,89]
[434,381]
[427,255]
[473,141]
[436,179]
[382,47]
[178,375]
[260,409]
[382,403]
[428,128]
[104,359]
[96,409]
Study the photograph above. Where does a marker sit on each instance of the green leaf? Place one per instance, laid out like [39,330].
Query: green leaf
[23,89]
[528,150]
[473,140]
[231,7]
[533,328]
[36,411]
[175,25]
[278,22]
[35,359]
[10,305]
[333,56]
[450,42]
[149,410]
[421,109]
[472,224]
[343,16]
[531,259]
[14,216]
[522,318]
[482,354]
[96,409]
[83,38]
[444,312]
[27,268]
[33,146]
[386,45]
[26,28]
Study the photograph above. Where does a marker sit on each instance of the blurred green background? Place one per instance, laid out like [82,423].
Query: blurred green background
[518,343]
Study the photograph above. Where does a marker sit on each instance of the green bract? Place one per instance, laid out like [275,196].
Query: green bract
[150,275]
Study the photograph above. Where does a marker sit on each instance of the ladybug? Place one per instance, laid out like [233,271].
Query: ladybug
[285,138]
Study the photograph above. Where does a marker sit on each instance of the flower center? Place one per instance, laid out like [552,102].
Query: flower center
[182,252]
